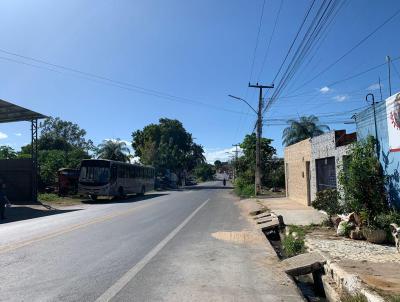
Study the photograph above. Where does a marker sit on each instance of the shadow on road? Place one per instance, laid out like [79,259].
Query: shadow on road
[208,187]
[24,213]
[129,198]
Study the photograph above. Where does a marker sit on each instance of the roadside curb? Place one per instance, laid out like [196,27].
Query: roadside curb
[335,280]
[258,209]
[344,281]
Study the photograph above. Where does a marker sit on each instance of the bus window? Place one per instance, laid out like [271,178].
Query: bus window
[113,173]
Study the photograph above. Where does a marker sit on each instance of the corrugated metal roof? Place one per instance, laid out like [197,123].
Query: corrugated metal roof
[10,112]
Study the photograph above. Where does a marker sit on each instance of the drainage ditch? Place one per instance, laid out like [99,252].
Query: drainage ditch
[310,285]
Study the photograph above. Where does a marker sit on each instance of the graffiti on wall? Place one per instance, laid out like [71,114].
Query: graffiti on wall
[393,113]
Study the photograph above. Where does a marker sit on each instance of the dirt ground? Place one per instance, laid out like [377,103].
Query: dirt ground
[383,277]
[378,266]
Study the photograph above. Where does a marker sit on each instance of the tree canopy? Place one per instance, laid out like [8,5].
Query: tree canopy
[113,150]
[61,144]
[245,165]
[167,145]
[7,152]
[301,129]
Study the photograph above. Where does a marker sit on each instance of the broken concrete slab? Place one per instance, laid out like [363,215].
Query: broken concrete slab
[266,219]
[267,226]
[303,264]
[263,215]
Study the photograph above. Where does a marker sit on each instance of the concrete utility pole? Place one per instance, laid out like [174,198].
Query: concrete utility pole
[390,80]
[258,172]
[376,126]
[236,158]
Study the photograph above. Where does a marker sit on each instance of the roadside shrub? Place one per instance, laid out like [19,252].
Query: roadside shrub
[48,197]
[292,246]
[363,182]
[384,220]
[328,201]
[293,241]
[355,298]
[345,228]
[243,188]
[204,172]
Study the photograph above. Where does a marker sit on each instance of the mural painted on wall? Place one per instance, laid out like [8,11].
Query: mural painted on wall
[393,113]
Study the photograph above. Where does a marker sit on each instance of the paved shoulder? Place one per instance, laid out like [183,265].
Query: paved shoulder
[215,257]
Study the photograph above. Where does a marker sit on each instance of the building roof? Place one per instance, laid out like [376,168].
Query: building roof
[10,112]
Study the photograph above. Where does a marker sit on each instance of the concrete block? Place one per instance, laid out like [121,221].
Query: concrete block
[303,264]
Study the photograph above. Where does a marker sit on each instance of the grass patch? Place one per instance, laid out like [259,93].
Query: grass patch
[54,199]
[393,299]
[355,298]
[292,246]
[293,240]
[244,191]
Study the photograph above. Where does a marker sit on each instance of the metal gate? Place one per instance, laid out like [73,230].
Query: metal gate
[326,173]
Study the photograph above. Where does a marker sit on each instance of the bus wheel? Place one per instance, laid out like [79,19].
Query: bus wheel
[121,192]
[142,191]
[93,197]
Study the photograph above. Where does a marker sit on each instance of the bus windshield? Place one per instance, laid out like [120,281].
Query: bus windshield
[94,175]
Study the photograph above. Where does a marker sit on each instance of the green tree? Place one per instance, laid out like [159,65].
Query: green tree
[204,172]
[363,181]
[167,145]
[61,144]
[113,150]
[218,164]
[6,152]
[305,127]
[245,164]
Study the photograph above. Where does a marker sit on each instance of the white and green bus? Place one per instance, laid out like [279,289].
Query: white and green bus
[101,177]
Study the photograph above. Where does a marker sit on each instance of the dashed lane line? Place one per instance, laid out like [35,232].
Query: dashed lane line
[128,276]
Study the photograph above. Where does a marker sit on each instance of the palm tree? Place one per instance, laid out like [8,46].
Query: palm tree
[113,149]
[305,127]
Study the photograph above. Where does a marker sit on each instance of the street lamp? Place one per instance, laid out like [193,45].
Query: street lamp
[257,178]
[243,100]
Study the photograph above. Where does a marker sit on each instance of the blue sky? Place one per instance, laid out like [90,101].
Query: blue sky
[200,51]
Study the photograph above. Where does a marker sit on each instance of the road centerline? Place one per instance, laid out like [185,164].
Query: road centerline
[111,292]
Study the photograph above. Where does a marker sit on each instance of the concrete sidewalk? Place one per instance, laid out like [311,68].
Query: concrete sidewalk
[292,211]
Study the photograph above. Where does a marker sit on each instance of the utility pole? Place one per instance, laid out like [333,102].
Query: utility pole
[376,126]
[258,172]
[235,162]
[390,80]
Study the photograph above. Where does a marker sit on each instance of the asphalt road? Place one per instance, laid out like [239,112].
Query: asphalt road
[158,248]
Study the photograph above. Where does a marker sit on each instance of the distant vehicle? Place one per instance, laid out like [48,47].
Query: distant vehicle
[67,180]
[190,181]
[100,177]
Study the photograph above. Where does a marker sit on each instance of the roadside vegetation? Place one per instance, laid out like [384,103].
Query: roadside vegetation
[272,167]
[167,146]
[54,199]
[353,298]
[293,240]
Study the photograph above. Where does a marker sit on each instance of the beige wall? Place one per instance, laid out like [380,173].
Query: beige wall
[296,175]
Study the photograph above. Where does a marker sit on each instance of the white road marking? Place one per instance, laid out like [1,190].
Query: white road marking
[125,279]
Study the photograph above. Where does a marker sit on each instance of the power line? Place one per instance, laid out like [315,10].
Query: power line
[257,40]
[359,43]
[252,66]
[321,18]
[108,81]
[294,40]
[270,40]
